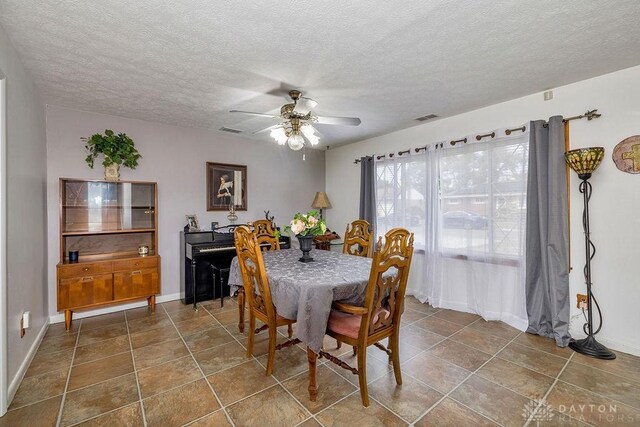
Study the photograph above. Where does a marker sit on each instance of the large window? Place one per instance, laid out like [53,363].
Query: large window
[401,196]
[488,183]
[471,198]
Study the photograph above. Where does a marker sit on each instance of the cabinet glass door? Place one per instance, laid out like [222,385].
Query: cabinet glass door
[89,207]
[137,205]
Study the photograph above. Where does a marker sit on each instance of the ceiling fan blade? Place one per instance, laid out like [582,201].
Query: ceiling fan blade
[304,105]
[251,113]
[345,121]
[268,128]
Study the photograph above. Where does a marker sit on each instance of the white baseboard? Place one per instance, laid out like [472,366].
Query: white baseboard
[58,318]
[613,345]
[15,382]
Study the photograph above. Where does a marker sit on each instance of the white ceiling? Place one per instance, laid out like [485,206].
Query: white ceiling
[188,62]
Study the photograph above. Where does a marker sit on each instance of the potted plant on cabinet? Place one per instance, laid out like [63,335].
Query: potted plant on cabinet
[117,149]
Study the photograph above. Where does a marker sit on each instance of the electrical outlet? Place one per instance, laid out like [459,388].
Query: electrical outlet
[582,301]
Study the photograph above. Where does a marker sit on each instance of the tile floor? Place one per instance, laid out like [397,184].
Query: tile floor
[179,367]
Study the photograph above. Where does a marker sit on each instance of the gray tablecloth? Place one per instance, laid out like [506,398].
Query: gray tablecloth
[305,291]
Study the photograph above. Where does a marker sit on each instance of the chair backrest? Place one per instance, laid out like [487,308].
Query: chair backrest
[387,281]
[254,276]
[358,239]
[265,235]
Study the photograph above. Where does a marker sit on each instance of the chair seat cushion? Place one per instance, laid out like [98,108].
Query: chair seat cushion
[349,324]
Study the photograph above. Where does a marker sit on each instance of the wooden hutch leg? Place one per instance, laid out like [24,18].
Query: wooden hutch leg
[152,303]
[67,319]
[313,386]
[241,309]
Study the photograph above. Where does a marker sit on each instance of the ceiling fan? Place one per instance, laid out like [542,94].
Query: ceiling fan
[296,122]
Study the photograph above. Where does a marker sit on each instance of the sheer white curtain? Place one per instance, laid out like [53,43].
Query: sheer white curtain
[466,205]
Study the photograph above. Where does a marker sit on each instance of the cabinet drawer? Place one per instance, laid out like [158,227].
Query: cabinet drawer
[84,291]
[135,264]
[136,283]
[76,270]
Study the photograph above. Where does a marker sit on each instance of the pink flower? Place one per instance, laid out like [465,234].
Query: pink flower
[312,221]
[297,226]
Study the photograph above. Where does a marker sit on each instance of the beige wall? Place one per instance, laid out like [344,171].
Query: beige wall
[278,179]
[614,207]
[26,207]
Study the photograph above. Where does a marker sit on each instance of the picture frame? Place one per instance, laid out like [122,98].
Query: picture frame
[226,187]
[192,222]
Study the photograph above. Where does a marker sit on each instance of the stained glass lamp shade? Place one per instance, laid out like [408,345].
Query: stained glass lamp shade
[584,161]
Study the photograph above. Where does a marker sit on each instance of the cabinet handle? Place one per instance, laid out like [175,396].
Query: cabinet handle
[87,278]
[136,272]
[85,269]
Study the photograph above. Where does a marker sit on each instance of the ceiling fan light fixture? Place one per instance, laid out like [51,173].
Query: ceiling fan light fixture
[295,142]
[279,135]
[309,132]
[313,139]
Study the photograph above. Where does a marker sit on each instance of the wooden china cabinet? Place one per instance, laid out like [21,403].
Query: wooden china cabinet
[107,222]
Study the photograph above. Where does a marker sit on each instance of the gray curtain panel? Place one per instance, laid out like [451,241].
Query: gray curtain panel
[368,191]
[547,245]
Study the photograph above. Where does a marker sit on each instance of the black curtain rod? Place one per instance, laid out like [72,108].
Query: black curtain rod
[589,115]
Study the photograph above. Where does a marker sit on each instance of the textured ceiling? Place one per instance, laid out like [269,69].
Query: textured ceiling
[188,62]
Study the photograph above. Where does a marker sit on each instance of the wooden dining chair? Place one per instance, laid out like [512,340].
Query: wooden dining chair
[379,317]
[266,235]
[256,285]
[268,241]
[358,238]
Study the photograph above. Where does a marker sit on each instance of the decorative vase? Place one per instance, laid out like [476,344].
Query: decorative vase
[306,243]
[112,172]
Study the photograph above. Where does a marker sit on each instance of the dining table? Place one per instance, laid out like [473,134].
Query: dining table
[305,291]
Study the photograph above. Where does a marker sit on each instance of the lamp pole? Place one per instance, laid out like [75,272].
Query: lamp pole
[589,346]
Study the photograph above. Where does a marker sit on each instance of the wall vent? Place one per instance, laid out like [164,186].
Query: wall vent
[224,129]
[427,117]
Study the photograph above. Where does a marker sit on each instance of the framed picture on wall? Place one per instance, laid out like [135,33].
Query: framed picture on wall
[226,187]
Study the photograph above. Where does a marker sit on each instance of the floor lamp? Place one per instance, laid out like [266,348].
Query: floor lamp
[584,161]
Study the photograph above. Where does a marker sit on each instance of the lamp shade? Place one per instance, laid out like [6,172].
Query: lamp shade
[321,201]
[584,161]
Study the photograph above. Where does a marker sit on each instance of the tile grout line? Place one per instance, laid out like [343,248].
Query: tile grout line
[635,408]
[278,382]
[229,327]
[548,392]
[416,355]
[66,385]
[140,401]
[221,409]
[119,376]
[105,357]
[448,394]
[204,377]
[135,370]
[101,414]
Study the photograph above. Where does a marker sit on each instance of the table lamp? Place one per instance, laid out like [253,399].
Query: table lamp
[321,201]
[584,161]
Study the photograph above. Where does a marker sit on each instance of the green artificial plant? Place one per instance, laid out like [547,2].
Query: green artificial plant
[117,149]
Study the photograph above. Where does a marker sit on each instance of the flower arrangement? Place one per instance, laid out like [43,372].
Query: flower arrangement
[309,224]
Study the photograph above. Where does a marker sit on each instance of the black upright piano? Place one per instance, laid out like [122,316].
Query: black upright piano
[207,255]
